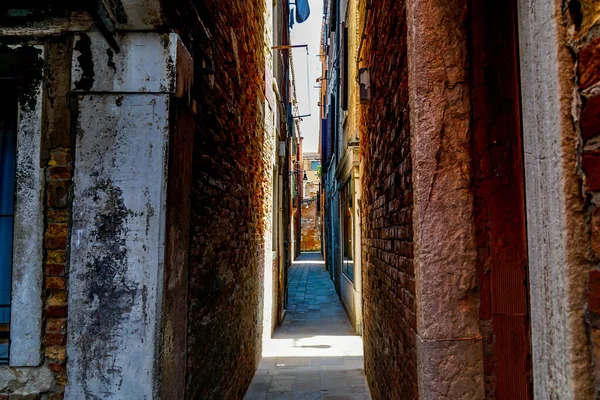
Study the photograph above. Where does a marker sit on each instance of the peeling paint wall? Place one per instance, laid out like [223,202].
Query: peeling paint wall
[117,245]
[119,213]
[26,322]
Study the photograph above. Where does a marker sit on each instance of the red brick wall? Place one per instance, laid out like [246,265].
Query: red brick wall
[228,188]
[388,272]
[58,174]
[57,156]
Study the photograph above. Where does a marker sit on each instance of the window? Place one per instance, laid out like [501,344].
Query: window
[345,67]
[346,211]
[8,150]
[314,165]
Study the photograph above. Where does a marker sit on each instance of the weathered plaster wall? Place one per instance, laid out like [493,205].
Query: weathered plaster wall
[230,184]
[123,104]
[117,245]
[387,236]
[557,216]
[118,233]
[26,302]
[352,20]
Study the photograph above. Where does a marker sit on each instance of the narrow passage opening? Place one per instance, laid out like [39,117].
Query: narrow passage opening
[315,352]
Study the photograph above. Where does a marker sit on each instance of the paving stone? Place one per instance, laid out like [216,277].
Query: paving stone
[307,395]
[315,353]
[281,385]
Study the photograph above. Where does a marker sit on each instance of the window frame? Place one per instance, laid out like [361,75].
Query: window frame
[347,231]
[8,214]
[27,62]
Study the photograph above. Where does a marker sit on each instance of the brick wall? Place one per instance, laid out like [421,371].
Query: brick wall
[229,185]
[387,251]
[584,38]
[58,174]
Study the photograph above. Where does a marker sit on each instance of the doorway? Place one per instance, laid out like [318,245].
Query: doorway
[500,200]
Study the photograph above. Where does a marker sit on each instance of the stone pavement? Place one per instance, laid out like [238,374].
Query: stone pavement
[315,353]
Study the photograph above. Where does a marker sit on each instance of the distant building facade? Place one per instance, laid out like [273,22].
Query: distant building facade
[340,139]
[310,210]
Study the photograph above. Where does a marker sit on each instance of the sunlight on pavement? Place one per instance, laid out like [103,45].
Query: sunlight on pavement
[315,346]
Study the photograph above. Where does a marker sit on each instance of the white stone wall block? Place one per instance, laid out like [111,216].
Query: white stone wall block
[117,246]
[147,63]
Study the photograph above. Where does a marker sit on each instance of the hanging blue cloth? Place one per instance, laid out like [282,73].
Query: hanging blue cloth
[302,11]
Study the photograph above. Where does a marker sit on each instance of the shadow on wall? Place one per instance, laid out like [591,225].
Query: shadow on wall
[230,171]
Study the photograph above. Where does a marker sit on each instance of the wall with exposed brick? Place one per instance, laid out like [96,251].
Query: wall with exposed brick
[230,183]
[583,39]
[555,87]
[58,175]
[387,236]
[49,379]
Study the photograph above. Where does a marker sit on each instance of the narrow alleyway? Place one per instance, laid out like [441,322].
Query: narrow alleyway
[315,354]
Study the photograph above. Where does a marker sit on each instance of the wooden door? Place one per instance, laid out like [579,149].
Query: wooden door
[499,200]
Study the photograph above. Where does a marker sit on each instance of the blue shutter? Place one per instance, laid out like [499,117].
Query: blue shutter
[8,150]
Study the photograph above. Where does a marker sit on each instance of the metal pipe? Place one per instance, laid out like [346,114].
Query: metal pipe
[289,46]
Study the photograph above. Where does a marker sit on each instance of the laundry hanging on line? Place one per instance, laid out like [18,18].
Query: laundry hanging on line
[302,10]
